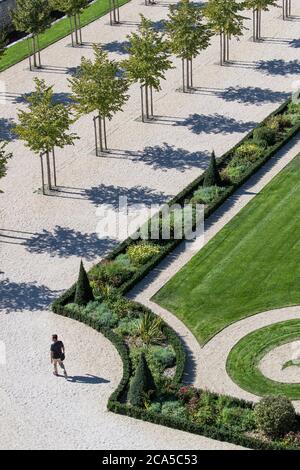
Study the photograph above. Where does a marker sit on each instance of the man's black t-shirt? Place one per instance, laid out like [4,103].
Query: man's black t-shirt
[56,348]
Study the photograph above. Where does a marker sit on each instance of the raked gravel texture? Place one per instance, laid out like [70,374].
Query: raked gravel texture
[43,238]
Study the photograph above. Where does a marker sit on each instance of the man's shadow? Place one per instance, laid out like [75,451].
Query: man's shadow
[87,379]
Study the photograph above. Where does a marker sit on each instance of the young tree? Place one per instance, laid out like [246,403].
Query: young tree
[212,177]
[84,292]
[142,383]
[188,36]
[73,9]
[98,87]
[147,63]
[225,19]
[258,6]
[3,41]
[32,17]
[44,126]
[4,157]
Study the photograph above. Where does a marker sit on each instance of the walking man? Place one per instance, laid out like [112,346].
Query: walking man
[57,354]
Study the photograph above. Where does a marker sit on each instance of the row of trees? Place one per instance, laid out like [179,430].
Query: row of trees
[34,17]
[224,17]
[101,85]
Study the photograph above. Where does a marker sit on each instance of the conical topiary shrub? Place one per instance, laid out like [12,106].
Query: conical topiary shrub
[141,383]
[212,176]
[84,293]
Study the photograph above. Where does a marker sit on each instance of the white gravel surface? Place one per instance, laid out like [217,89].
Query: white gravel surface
[271,364]
[43,238]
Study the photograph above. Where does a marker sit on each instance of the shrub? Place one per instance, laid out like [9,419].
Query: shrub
[294,111]
[122,306]
[292,439]
[279,123]
[141,253]
[212,176]
[162,357]
[187,392]
[207,194]
[123,260]
[111,273]
[141,383]
[75,309]
[84,292]
[174,408]
[102,313]
[236,417]
[128,326]
[235,172]
[206,412]
[275,415]
[249,151]
[150,328]
[264,136]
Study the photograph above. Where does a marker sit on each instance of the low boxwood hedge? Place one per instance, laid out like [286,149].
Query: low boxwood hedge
[115,401]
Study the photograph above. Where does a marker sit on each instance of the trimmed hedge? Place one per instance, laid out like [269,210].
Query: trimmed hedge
[212,432]
[114,403]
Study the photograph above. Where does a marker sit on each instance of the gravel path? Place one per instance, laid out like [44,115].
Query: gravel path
[43,238]
[215,353]
[146,289]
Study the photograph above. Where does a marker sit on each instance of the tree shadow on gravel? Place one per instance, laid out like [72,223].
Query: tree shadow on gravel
[164,157]
[16,296]
[278,67]
[65,242]
[295,43]
[215,124]
[252,95]
[120,47]
[110,194]
[7,130]
[62,97]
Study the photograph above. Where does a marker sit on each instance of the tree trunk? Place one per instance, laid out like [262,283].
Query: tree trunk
[183,75]
[54,167]
[104,133]
[221,48]
[42,171]
[48,170]
[72,30]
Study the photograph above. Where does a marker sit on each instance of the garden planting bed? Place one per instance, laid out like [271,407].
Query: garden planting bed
[121,320]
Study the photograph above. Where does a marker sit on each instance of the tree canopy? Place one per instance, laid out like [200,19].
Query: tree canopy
[32,16]
[45,125]
[224,16]
[98,86]
[263,5]
[149,57]
[4,157]
[70,7]
[3,41]
[187,33]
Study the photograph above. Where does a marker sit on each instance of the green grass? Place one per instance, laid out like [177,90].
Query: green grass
[251,265]
[243,360]
[59,30]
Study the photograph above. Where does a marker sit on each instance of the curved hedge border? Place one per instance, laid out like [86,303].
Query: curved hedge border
[114,403]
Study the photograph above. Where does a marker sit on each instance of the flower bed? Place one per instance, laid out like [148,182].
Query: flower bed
[125,322]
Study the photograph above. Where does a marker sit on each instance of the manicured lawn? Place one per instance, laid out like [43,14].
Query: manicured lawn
[251,265]
[243,360]
[60,29]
